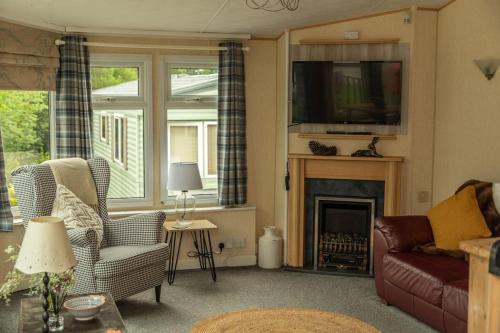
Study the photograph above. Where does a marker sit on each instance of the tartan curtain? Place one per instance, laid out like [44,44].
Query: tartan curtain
[5,213]
[74,100]
[231,130]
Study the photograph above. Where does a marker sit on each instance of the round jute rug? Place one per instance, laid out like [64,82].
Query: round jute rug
[281,320]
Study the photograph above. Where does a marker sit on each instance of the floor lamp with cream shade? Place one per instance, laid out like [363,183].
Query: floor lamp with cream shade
[45,249]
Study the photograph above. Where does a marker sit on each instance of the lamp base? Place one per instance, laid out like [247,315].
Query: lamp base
[185,205]
[45,303]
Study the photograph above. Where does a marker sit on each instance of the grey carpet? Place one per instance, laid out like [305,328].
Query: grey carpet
[194,297]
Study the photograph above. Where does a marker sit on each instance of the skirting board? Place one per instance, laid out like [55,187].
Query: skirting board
[232,261]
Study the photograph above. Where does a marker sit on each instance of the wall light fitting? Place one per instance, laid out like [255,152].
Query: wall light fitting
[488,66]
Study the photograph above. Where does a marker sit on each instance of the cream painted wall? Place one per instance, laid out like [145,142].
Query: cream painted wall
[467,143]
[383,26]
[281,133]
[416,145]
[234,224]
[260,71]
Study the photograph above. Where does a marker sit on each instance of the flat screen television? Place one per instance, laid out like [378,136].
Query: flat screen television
[365,92]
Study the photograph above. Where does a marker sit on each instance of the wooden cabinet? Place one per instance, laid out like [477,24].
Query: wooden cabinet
[484,288]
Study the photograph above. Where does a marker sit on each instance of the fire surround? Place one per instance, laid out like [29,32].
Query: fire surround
[302,167]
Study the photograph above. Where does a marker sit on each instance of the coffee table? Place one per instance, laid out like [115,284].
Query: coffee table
[200,232]
[30,318]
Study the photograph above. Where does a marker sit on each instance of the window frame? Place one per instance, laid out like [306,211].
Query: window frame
[181,102]
[205,147]
[125,61]
[144,102]
[189,62]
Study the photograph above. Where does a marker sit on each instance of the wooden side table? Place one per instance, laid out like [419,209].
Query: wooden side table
[484,288]
[30,318]
[200,232]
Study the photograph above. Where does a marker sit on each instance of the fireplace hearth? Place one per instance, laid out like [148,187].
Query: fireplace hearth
[343,232]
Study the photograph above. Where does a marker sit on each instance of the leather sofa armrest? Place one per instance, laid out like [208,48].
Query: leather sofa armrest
[402,233]
[396,234]
[380,249]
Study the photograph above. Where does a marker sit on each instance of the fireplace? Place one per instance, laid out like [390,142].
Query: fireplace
[343,234]
[344,177]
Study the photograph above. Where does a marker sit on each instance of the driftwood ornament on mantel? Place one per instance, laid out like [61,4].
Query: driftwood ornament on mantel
[322,150]
[370,152]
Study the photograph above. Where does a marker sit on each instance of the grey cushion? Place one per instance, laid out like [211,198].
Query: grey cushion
[122,259]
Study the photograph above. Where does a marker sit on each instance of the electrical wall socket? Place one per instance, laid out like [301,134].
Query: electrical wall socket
[423,196]
[228,244]
[236,243]
[240,243]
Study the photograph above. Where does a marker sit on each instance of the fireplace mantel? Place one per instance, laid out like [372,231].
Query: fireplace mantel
[301,166]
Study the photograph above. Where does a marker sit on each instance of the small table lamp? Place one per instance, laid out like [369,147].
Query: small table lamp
[184,176]
[45,248]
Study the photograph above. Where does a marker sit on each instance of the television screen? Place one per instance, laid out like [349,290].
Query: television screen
[366,92]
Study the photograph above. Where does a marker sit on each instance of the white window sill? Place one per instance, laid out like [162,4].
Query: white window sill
[212,209]
[122,213]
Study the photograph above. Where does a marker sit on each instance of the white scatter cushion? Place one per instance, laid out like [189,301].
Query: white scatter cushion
[75,213]
[496,196]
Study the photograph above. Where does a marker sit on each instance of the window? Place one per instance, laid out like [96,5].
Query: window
[115,81]
[26,130]
[104,127]
[191,117]
[121,98]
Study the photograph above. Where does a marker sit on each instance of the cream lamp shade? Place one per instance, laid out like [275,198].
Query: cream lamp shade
[184,176]
[45,247]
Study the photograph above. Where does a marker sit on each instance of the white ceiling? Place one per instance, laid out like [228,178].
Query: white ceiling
[219,16]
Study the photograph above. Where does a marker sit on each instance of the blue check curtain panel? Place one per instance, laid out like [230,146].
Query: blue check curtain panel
[74,100]
[231,130]
[5,213]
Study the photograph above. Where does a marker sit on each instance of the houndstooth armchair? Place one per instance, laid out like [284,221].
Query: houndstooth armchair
[131,258]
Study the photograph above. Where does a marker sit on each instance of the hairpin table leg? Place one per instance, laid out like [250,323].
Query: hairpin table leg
[173,259]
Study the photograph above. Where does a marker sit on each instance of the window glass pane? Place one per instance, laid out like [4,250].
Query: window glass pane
[194,81]
[193,138]
[115,81]
[212,150]
[183,144]
[125,153]
[25,123]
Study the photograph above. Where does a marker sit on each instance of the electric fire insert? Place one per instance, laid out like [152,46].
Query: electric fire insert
[343,234]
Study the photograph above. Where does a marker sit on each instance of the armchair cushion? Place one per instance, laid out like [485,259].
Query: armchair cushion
[75,213]
[142,229]
[118,260]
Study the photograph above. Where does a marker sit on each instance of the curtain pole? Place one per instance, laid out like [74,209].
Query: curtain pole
[154,46]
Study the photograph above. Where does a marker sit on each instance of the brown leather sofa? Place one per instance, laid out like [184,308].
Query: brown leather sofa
[432,288]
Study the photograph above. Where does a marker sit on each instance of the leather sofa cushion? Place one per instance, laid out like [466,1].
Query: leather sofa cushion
[424,275]
[456,298]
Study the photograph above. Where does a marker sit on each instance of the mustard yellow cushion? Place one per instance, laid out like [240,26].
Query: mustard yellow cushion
[456,219]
